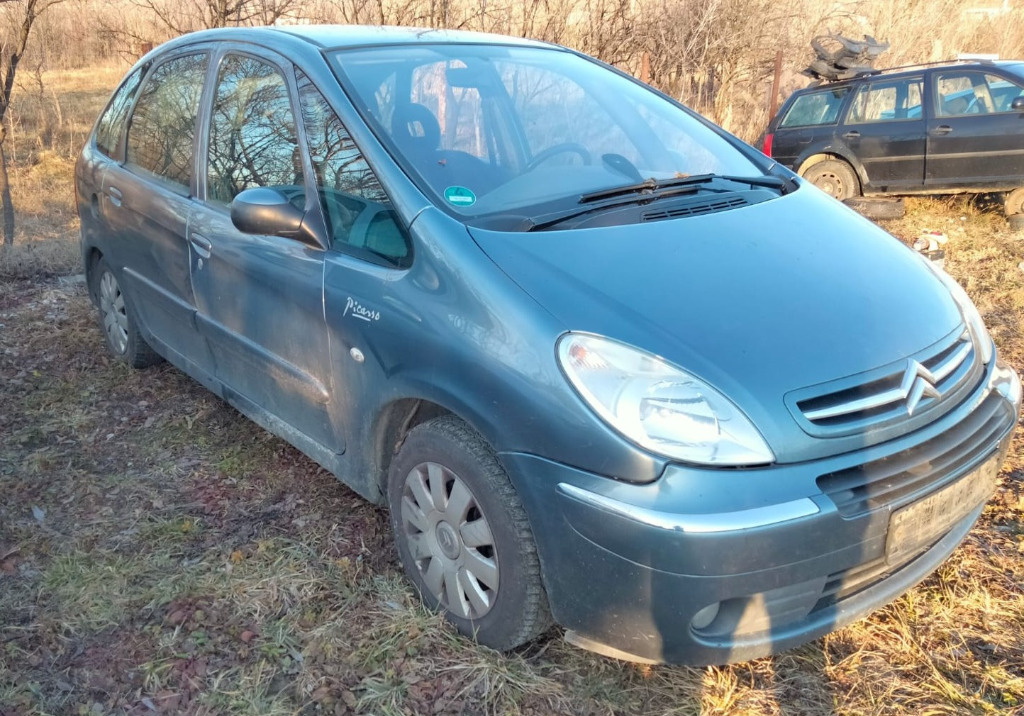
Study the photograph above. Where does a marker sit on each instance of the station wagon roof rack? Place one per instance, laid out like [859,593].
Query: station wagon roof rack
[873,72]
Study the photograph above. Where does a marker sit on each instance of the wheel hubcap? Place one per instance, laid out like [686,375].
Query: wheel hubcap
[112,310]
[449,540]
[830,184]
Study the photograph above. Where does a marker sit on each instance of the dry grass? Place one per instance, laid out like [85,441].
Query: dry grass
[160,553]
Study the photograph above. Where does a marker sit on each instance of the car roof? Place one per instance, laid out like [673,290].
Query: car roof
[326,37]
[1014,66]
[331,36]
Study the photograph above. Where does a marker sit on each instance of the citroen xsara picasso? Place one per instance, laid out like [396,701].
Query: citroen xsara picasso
[605,364]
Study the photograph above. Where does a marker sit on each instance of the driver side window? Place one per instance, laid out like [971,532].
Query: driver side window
[359,213]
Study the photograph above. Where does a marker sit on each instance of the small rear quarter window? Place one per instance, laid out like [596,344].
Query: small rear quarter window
[815,108]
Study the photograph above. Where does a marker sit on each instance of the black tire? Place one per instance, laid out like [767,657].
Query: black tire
[1016,222]
[1014,202]
[443,473]
[834,177]
[117,320]
[877,207]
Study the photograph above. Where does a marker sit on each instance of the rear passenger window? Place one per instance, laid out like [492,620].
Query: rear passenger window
[816,108]
[163,125]
[252,133]
[887,100]
[111,124]
[358,212]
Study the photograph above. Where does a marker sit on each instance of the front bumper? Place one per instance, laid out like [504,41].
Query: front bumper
[718,566]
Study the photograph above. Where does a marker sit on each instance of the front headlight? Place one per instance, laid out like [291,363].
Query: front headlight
[968,310]
[658,406]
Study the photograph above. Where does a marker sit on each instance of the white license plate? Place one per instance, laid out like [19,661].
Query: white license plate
[916,525]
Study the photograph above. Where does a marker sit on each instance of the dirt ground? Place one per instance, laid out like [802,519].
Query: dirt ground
[159,553]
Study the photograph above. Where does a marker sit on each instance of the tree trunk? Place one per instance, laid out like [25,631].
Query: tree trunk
[6,204]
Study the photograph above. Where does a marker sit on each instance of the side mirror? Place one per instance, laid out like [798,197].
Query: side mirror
[267,211]
[1018,104]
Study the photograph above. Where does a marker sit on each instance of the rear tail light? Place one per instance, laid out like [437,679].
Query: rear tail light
[766,147]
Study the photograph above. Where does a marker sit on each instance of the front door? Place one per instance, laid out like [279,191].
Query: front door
[975,137]
[260,298]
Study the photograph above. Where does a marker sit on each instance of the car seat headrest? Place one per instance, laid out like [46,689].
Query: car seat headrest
[415,127]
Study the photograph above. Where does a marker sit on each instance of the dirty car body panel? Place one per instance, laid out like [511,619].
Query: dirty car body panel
[735,414]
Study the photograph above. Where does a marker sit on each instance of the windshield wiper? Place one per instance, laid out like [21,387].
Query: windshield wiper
[657,186]
[546,220]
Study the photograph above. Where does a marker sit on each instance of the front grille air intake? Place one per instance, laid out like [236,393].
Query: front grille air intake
[939,376]
[904,476]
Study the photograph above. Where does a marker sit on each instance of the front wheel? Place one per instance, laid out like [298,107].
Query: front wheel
[463,535]
[834,177]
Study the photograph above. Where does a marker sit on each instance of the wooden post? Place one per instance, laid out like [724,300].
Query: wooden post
[645,67]
[776,81]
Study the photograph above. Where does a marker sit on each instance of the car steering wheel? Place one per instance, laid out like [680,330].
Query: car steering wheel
[553,151]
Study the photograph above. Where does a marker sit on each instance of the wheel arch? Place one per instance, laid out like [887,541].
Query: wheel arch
[392,425]
[832,154]
[91,260]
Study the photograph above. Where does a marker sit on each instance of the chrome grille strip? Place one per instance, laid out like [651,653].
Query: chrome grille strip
[857,406]
[953,362]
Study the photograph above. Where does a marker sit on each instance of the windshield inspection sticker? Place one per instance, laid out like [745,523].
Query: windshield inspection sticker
[459,196]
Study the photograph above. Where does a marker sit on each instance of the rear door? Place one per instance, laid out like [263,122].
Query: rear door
[975,137]
[885,130]
[146,203]
[260,298]
[808,122]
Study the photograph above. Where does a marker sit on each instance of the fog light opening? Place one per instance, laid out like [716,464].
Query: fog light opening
[703,618]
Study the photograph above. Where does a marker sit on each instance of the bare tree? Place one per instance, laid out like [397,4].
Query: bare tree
[180,17]
[21,16]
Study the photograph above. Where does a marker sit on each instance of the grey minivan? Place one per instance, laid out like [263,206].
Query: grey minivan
[604,363]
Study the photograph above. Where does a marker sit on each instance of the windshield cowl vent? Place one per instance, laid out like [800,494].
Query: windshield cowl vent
[696,208]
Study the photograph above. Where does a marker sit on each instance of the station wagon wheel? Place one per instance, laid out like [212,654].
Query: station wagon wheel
[1014,202]
[120,328]
[834,177]
[463,536]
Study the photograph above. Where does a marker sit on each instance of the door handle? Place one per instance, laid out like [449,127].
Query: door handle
[202,245]
[942,129]
[852,135]
[114,194]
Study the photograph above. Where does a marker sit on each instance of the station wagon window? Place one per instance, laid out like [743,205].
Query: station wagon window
[887,100]
[253,141]
[963,93]
[358,212]
[816,108]
[111,124]
[163,124]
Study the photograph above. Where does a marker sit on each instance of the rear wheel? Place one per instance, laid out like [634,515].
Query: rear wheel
[120,328]
[834,177]
[463,536]
[1014,202]
[1016,222]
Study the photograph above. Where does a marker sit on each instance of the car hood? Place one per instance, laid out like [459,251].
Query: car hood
[757,301]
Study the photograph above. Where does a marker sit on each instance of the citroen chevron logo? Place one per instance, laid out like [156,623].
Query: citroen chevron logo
[918,384]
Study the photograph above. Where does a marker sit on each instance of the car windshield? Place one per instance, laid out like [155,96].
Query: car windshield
[499,129]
